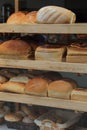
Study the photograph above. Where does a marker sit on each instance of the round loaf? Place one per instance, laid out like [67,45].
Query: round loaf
[16,18]
[55,15]
[11,117]
[37,86]
[15,47]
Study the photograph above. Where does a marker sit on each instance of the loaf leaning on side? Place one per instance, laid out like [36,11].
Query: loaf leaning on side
[13,87]
[55,15]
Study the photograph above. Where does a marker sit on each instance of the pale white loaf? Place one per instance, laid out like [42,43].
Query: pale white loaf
[55,15]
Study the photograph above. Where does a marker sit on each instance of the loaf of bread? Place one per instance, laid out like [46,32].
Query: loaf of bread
[61,88]
[51,76]
[16,18]
[50,53]
[13,87]
[77,53]
[29,18]
[20,79]
[16,49]
[55,15]
[79,94]
[37,86]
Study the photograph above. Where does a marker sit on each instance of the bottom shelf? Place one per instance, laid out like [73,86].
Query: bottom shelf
[44,101]
[4,127]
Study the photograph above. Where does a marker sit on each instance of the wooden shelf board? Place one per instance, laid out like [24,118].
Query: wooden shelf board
[44,65]
[44,101]
[45,28]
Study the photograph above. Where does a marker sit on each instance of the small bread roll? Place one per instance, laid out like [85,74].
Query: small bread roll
[12,117]
[37,86]
[61,88]
[55,15]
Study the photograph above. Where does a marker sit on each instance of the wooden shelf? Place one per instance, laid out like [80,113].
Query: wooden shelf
[44,65]
[44,101]
[45,28]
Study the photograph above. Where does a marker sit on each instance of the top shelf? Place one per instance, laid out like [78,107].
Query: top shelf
[76,28]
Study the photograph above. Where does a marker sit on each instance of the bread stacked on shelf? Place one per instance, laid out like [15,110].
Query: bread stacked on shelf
[50,52]
[15,49]
[41,83]
[77,52]
[22,17]
[45,15]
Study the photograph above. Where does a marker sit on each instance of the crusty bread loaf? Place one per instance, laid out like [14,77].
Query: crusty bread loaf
[29,18]
[79,94]
[15,47]
[16,18]
[61,88]
[3,79]
[55,15]
[37,86]
[12,117]
[50,53]
[20,79]
[13,87]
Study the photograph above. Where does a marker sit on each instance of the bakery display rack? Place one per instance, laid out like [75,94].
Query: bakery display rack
[44,65]
[77,28]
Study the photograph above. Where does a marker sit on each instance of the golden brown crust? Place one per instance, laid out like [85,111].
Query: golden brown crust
[15,47]
[61,88]
[16,18]
[37,86]
[13,87]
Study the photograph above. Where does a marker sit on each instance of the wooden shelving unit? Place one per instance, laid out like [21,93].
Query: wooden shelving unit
[44,65]
[44,101]
[45,28]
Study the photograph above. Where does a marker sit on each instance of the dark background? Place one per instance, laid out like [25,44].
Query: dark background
[77,6]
